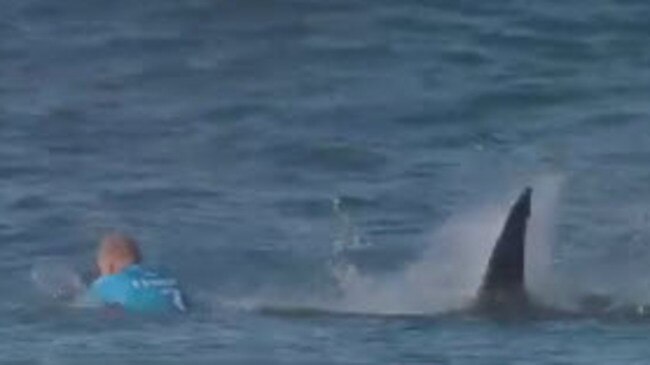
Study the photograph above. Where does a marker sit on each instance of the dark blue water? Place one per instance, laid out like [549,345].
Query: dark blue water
[310,154]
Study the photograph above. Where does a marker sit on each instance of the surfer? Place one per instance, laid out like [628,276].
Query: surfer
[124,283]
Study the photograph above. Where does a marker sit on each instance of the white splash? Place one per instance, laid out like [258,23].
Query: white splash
[449,273]
[541,281]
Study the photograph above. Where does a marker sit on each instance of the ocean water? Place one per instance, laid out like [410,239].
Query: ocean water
[326,178]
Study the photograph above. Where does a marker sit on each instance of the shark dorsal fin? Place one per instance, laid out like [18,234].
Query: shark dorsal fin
[503,283]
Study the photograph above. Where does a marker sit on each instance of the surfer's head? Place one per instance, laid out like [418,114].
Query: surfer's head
[117,251]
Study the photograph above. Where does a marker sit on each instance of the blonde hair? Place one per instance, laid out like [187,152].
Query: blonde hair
[119,247]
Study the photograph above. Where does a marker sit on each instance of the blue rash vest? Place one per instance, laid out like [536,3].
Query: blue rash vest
[138,290]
